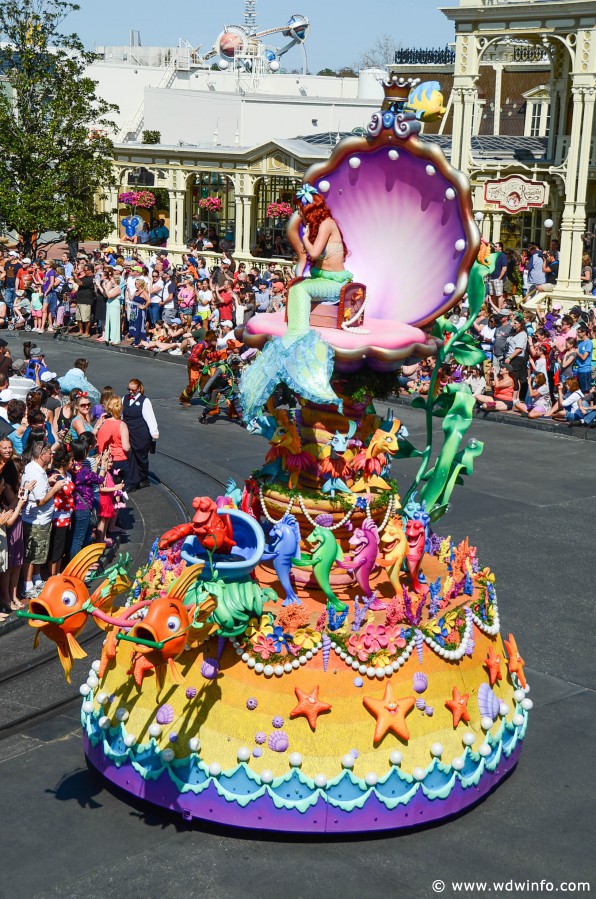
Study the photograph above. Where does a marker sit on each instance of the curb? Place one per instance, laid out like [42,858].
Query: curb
[125,350]
[549,427]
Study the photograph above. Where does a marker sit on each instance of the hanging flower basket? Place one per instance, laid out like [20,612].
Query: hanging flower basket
[279,211]
[142,199]
[211,204]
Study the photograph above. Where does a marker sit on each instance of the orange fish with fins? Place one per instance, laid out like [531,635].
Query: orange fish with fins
[60,612]
[165,630]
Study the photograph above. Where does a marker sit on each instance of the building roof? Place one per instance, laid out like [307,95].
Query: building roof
[498,147]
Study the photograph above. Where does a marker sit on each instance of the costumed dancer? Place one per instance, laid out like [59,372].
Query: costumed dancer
[301,359]
[138,415]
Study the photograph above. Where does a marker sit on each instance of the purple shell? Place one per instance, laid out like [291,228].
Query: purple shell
[420,681]
[325,520]
[191,692]
[278,721]
[429,710]
[354,753]
[261,737]
[165,714]
[487,702]
[257,752]
[210,669]
[251,703]
[278,741]
[421,704]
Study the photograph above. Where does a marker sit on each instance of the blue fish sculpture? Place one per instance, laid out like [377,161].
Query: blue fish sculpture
[284,545]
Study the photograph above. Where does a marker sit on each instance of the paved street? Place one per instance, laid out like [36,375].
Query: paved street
[529,508]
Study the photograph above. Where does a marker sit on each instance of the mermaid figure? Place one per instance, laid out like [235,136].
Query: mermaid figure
[300,358]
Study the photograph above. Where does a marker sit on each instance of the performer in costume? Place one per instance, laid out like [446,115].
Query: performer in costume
[301,359]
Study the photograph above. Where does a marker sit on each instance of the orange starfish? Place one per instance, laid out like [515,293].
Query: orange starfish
[309,706]
[493,666]
[458,706]
[516,663]
[390,713]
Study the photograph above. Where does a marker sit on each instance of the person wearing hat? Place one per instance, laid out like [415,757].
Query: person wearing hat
[19,384]
[37,365]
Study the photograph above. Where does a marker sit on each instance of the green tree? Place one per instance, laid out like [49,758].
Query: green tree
[55,150]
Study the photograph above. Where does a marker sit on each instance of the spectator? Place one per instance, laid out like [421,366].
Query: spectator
[587,276]
[496,278]
[536,275]
[84,288]
[19,384]
[64,505]
[584,352]
[76,377]
[113,435]
[37,516]
[85,479]
[5,359]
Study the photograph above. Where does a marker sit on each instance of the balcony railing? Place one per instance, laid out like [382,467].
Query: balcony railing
[415,56]
[562,150]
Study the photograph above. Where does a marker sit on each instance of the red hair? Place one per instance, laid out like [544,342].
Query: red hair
[315,214]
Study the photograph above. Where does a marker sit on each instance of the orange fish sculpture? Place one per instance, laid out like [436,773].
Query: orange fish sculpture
[166,629]
[61,610]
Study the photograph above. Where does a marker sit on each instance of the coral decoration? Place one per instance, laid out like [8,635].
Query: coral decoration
[445,549]
[462,554]
[458,706]
[516,663]
[395,611]
[390,713]
[211,204]
[309,705]
[279,211]
[293,617]
[137,198]
[493,666]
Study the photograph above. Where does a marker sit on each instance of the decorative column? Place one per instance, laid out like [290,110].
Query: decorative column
[247,207]
[464,99]
[179,235]
[569,279]
[497,218]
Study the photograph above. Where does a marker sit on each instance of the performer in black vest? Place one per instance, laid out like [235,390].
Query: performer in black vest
[138,414]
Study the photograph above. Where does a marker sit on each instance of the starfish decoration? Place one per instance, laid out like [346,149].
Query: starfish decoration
[493,666]
[390,713]
[516,663]
[309,706]
[458,706]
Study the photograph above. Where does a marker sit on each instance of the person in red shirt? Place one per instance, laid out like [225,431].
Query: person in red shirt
[226,304]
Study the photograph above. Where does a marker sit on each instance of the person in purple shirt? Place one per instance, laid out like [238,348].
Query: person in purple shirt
[49,298]
[85,480]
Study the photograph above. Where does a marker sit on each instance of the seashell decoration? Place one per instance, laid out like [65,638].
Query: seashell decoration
[210,669]
[191,692]
[487,702]
[420,682]
[165,714]
[277,721]
[421,704]
[278,741]
[260,737]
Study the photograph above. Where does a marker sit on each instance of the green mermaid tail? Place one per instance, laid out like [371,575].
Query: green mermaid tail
[300,358]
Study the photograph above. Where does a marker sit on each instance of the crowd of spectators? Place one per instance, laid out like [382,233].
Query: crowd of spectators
[69,456]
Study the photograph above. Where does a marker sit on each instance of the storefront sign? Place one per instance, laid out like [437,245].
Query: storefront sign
[515,194]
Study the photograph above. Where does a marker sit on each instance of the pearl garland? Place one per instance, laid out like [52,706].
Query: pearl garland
[489,629]
[314,524]
[381,527]
[278,670]
[266,513]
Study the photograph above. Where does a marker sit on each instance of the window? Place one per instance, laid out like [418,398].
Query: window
[219,218]
[535,117]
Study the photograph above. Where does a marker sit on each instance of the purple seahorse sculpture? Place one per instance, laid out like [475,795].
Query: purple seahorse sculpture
[363,561]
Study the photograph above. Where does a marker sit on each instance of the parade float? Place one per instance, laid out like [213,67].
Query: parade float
[312,652]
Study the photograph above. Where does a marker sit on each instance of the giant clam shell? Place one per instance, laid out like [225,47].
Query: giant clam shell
[487,702]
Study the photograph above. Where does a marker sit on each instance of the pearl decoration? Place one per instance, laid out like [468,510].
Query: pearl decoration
[96,665]
[388,670]
[485,749]
[348,761]
[104,722]
[518,720]
[460,245]
[266,776]
[259,668]
[437,750]
[245,657]
[214,769]
[518,695]
[194,744]
[243,754]
[320,781]
[129,740]
[84,689]
[457,763]
[168,755]
[371,779]
[450,194]
[295,663]
[431,170]
[288,667]
[396,757]
[102,697]
[418,773]
[121,714]
[268,670]
[308,655]
[503,709]
[324,186]
[251,663]
[527,704]
[486,723]
[355,665]
[87,707]
[154,730]
[302,660]
[370,672]
[468,738]
[448,288]
[393,155]
[380,673]
[93,681]
[362,669]
[354,162]
[295,760]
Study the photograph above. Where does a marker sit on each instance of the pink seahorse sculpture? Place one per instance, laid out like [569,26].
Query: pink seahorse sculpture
[363,561]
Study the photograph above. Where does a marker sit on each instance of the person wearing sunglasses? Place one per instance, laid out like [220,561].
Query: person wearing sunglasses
[81,421]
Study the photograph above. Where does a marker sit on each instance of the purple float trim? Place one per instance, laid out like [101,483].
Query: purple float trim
[261,814]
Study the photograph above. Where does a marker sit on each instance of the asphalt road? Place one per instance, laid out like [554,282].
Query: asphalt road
[529,508]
